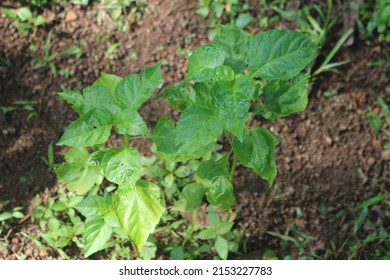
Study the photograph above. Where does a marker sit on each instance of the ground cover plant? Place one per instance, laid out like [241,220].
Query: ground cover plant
[223,80]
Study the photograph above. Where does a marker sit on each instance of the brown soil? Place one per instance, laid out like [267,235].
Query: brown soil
[328,159]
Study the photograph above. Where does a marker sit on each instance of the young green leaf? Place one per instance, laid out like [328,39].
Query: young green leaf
[222,247]
[196,128]
[96,234]
[178,96]
[283,98]
[233,41]
[206,234]
[74,98]
[220,193]
[91,129]
[257,152]
[190,198]
[131,123]
[224,227]
[94,206]
[108,81]
[76,173]
[99,97]
[122,166]
[134,90]
[164,136]
[210,169]
[139,209]
[279,54]
[203,60]
[231,103]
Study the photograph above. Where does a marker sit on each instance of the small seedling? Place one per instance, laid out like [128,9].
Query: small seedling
[224,80]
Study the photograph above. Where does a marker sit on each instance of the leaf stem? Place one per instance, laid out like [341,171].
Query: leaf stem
[125,140]
[233,167]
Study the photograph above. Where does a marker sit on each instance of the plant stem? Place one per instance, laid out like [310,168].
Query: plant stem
[233,167]
[125,140]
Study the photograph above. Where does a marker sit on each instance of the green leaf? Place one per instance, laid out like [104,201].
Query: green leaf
[203,59]
[279,54]
[224,227]
[122,166]
[375,121]
[219,73]
[96,234]
[220,193]
[283,98]
[5,216]
[233,40]
[91,129]
[134,90]
[243,20]
[76,173]
[190,198]
[92,206]
[39,20]
[131,123]
[196,128]
[206,234]
[213,217]
[164,136]
[231,103]
[139,210]
[99,97]
[210,169]
[74,98]
[177,96]
[257,152]
[222,247]
[24,14]
[108,81]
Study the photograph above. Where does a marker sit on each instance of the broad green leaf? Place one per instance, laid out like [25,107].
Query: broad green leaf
[76,173]
[222,247]
[224,227]
[24,14]
[196,128]
[210,169]
[131,123]
[91,129]
[108,81]
[99,97]
[279,54]
[283,98]
[233,41]
[164,136]
[243,20]
[92,206]
[77,156]
[219,73]
[203,59]
[134,90]
[96,234]
[122,166]
[206,234]
[231,103]
[190,198]
[177,96]
[257,151]
[139,210]
[74,98]
[220,193]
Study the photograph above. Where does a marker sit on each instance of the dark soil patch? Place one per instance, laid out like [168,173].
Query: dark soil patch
[328,159]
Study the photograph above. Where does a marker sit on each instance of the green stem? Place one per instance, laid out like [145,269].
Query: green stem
[233,167]
[125,140]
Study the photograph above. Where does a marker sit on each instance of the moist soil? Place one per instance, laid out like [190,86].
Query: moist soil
[329,160]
